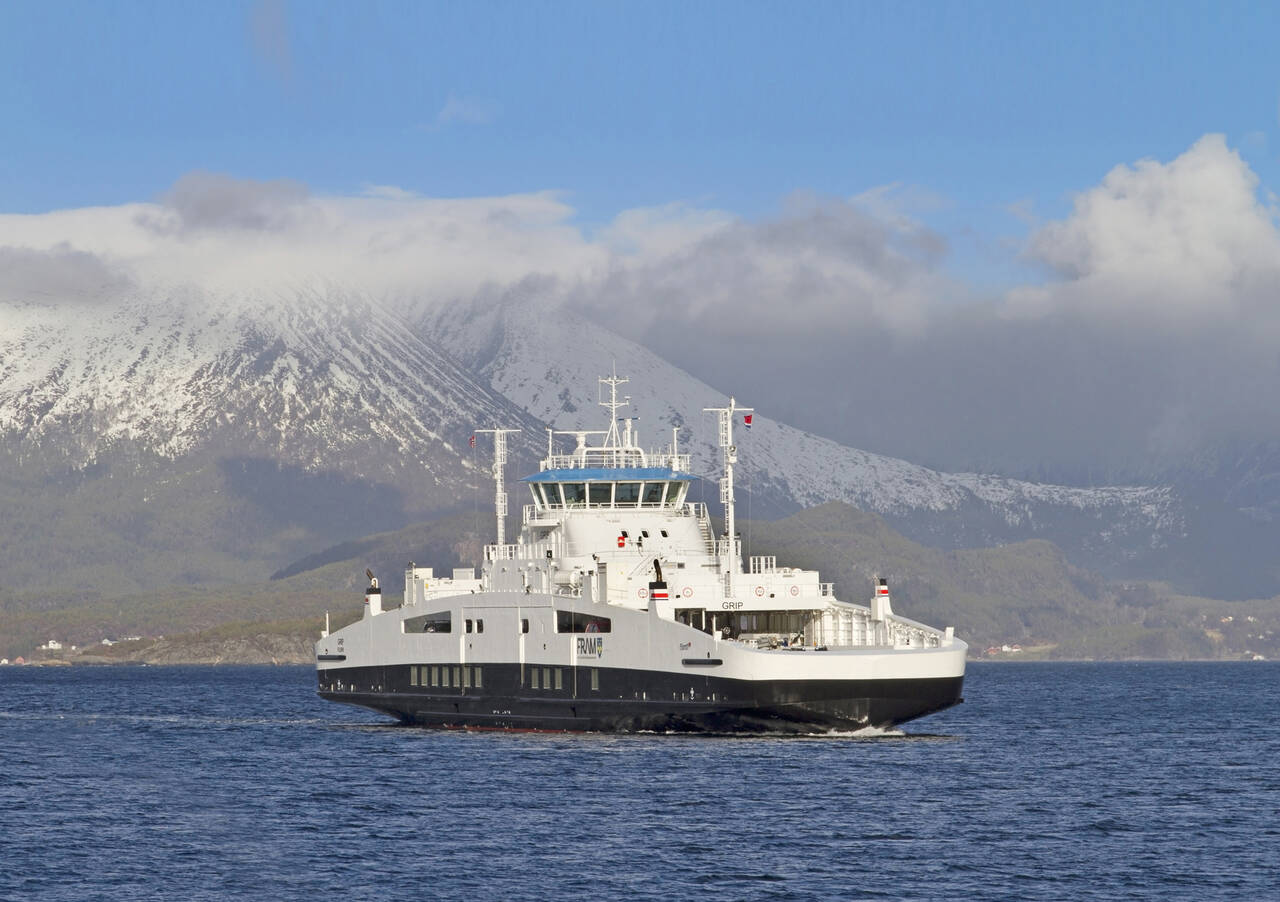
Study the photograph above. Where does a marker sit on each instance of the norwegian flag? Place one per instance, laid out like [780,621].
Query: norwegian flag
[746,419]
[473,441]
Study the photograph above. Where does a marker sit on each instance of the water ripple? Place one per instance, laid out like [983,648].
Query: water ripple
[1099,782]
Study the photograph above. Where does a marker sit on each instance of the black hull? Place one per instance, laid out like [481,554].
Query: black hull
[635,701]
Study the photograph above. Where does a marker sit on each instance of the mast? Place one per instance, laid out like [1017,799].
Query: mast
[499,480]
[612,439]
[731,557]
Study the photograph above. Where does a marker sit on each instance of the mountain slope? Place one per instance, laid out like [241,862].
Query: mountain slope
[177,437]
[548,361]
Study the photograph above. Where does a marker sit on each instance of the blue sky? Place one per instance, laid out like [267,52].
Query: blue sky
[618,105]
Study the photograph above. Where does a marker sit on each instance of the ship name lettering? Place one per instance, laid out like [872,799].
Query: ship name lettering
[591,645]
[731,605]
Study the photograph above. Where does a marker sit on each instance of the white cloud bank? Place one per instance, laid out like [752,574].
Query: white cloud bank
[1155,335]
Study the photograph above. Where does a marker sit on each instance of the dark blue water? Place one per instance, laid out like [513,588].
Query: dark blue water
[1053,781]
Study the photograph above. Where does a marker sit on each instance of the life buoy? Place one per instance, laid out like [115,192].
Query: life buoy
[643,593]
[759,591]
[687,592]
[795,590]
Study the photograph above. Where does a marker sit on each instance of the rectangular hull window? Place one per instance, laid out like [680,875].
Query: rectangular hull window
[575,622]
[439,622]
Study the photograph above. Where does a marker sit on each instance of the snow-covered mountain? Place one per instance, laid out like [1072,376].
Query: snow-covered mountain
[173,436]
[320,380]
[548,360]
[236,427]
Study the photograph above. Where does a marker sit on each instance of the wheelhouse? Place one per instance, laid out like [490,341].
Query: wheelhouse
[628,488]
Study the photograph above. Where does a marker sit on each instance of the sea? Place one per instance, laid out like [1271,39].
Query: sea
[1052,781]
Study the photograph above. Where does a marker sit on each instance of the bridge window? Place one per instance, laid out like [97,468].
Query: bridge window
[574,492]
[653,493]
[673,492]
[600,493]
[551,491]
[627,493]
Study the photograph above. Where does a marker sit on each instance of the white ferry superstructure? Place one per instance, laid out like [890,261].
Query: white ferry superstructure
[618,608]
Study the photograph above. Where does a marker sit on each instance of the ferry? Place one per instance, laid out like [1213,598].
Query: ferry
[619,608]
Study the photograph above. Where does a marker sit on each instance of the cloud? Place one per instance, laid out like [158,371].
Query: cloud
[1153,338]
[1163,243]
[207,200]
[388,192]
[244,235]
[58,274]
[468,111]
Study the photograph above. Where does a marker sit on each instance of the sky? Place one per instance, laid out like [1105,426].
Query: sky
[1004,235]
